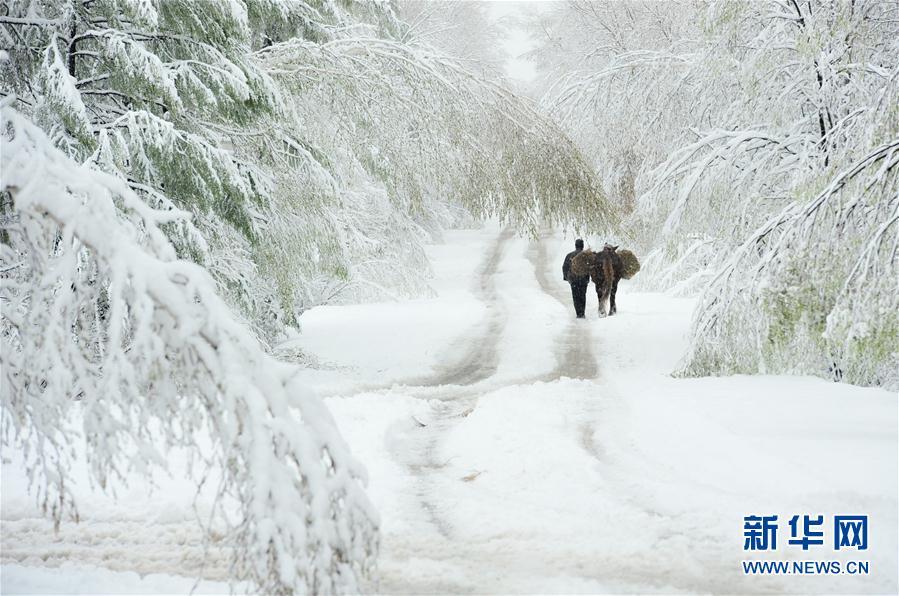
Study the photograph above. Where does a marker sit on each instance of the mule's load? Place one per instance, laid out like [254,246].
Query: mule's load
[629,262]
[583,263]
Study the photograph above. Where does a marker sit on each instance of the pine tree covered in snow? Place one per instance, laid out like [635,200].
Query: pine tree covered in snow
[136,88]
[143,90]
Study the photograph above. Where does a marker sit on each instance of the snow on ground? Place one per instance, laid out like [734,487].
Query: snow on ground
[146,539]
[539,477]
[512,448]
[71,579]
[357,346]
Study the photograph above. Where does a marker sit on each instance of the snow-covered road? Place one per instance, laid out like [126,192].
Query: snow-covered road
[539,453]
[513,448]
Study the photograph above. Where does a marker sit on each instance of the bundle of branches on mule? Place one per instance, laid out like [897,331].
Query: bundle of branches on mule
[629,264]
[584,262]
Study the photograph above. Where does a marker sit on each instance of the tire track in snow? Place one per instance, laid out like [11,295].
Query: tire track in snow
[481,355]
[449,390]
[574,348]
[473,356]
[175,547]
[454,391]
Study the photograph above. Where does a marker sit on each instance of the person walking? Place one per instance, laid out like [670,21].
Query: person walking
[578,283]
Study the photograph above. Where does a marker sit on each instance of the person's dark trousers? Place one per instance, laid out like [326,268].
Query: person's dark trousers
[579,295]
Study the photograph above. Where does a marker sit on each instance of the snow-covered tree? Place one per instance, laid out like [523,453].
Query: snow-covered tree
[462,30]
[134,87]
[806,171]
[111,341]
[384,142]
[144,91]
[616,75]
[428,129]
[814,287]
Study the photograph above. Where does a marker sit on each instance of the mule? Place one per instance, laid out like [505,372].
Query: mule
[606,273]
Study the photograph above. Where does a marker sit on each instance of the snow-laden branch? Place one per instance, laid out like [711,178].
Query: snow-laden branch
[493,150]
[856,301]
[106,334]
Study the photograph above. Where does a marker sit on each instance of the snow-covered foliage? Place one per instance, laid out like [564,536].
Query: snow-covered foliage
[844,319]
[427,129]
[464,30]
[612,74]
[141,90]
[389,142]
[756,145]
[312,174]
[109,339]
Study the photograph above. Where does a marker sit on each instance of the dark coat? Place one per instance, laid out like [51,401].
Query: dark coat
[566,271]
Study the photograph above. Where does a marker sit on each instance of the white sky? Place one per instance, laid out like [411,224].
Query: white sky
[517,41]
